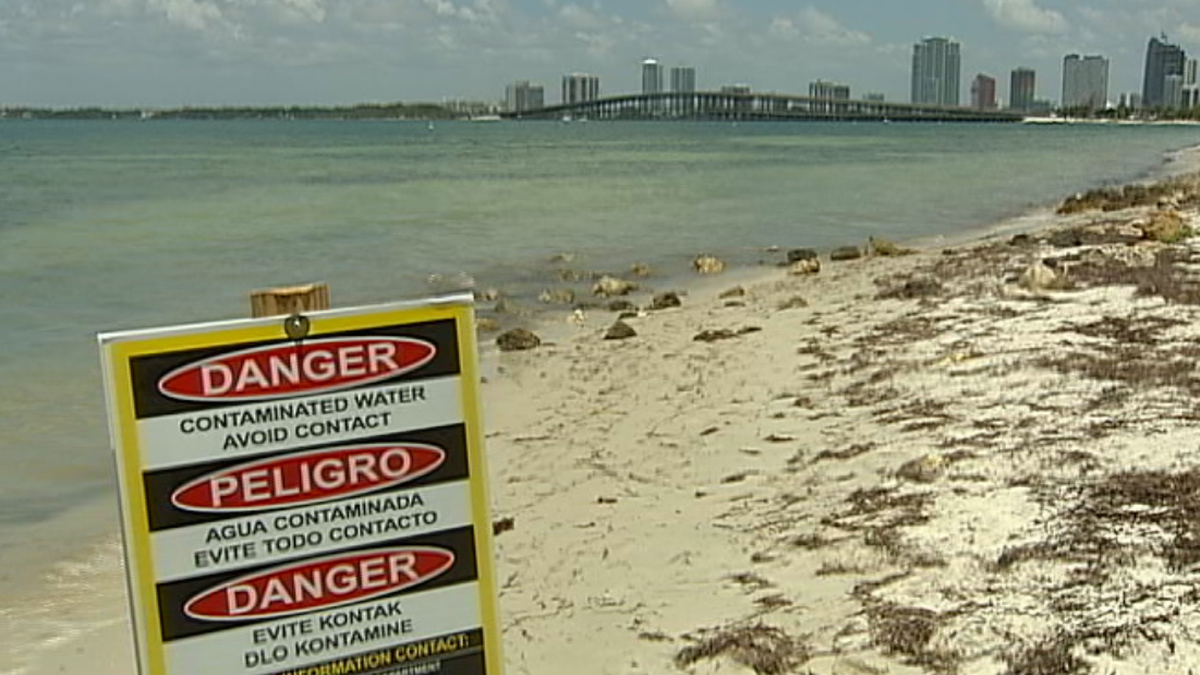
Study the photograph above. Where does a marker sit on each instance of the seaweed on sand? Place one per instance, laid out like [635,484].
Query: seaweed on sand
[766,650]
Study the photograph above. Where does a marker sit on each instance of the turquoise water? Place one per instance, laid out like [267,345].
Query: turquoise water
[111,225]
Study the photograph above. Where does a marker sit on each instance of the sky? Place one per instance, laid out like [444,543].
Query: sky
[168,53]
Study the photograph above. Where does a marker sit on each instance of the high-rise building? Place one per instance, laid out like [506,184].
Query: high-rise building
[983,92]
[829,90]
[935,71]
[580,88]
[1173,92]
[1162,60]
[1021,90]
[683,79]
[1130,100]
[1085,82]
[652,77]
[828,95]
[1191,88]
[521,96]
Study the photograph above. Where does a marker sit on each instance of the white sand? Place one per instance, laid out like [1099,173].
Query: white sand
[878,485]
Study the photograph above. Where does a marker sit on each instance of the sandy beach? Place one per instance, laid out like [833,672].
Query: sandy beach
[927,463]
[977,459]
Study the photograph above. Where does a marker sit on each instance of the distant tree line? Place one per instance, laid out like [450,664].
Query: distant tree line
[1130,113]
[381,111]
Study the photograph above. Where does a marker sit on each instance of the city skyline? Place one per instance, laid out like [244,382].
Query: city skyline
[161,53]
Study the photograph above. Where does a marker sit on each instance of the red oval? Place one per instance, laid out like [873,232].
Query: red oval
[295,369]
[322,583]
[308,477]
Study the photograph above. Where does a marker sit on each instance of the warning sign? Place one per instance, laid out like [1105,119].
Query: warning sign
[306,507]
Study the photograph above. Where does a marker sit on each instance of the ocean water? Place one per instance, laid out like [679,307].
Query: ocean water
[116,225]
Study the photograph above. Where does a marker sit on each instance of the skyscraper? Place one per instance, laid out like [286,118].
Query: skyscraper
[1022,86]
[1191,94]
[829,90]
[521,96]
[983,92]
[1085,82]
[652,77]
[683,79]
[1162,60]
[935,71]
[828,93]
[578,88]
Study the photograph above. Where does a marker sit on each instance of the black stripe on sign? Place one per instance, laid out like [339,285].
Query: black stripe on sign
[146,371]
[173,596]
[160,485]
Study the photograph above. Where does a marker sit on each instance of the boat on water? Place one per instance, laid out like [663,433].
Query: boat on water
[484,118]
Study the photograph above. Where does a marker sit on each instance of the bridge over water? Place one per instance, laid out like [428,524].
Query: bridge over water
[713,105]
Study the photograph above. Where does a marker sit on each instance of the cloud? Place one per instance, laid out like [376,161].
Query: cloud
[196,15]
[300,10]
[581,17]
[815,26]
[695,10]
[1026,15]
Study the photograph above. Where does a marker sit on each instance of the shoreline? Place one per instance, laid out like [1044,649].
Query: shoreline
[618,500]
[867,484]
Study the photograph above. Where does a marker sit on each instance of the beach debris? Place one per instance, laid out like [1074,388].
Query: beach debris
[508,306]
[607,501]
[487,295]
[620,331]
[711,335]
[1039,277]
[557,296]
[907,631]
[710,431]
[925,469]
[1016,240]
[577,317]
[764,649]
[1068,238]
[794,302]
[609,286]
[1129,196]
[803,268]
[779,438]
[796,255]
[502,525]
[884,248]
[735,292]
[621,306]
[517,339]
[913,287]
[1055,654]
[570,275]
[640,270]
[708,264]
[666,300]
[846,253]
[1166,227]
[562,258]
[487,325]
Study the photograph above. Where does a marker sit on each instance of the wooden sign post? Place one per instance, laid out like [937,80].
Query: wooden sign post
[289,300]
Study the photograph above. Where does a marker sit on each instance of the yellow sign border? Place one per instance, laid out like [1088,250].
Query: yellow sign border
[118,349]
